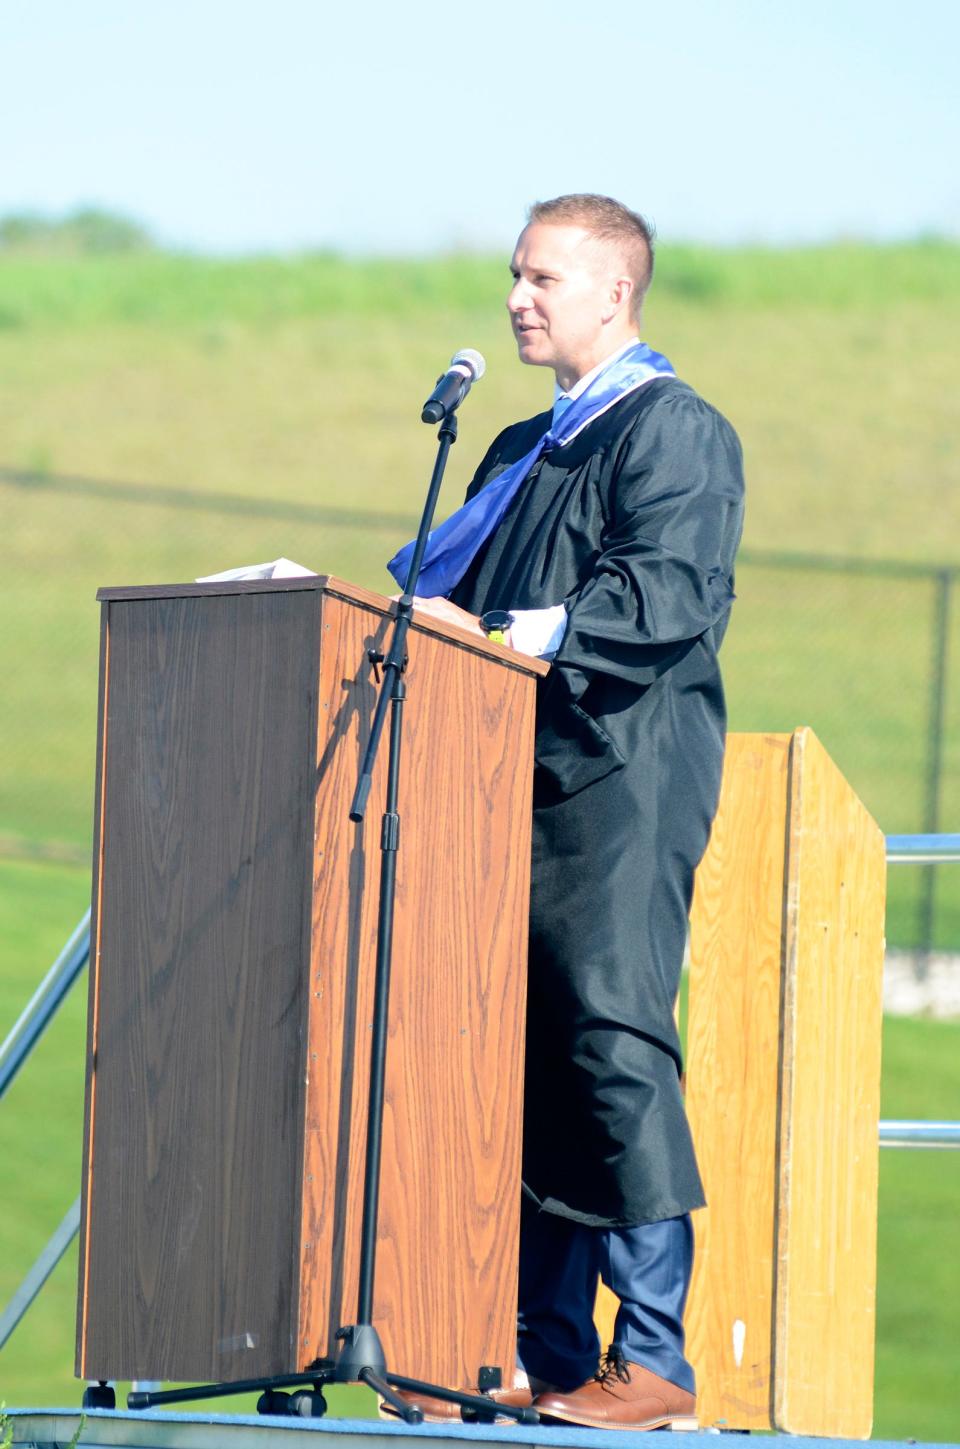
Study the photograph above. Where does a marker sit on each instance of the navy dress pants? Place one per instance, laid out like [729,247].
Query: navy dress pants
[647,1267]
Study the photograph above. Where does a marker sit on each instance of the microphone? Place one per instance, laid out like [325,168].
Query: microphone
[466,368]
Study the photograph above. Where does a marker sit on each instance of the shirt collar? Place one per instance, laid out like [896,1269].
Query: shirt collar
[581,385]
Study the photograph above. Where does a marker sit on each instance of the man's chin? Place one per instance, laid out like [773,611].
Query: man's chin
[527,352]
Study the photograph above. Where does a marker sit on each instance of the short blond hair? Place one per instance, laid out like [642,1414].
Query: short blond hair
[609,221]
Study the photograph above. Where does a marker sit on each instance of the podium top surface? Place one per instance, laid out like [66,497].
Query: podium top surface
[338,588]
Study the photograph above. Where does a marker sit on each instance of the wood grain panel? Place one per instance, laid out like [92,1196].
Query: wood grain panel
[93,995]
[192,1206]
[463,1011]
[447,1248]
[732,1073]
[344,914]
[826,1273]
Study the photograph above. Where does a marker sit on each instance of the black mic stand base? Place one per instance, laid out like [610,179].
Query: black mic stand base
[308,1401]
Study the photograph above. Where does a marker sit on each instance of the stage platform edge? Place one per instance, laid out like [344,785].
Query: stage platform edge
[154,1429]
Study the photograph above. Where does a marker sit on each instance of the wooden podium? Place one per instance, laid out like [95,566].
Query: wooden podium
[233,935]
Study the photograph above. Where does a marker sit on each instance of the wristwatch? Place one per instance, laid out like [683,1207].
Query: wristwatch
[495,623]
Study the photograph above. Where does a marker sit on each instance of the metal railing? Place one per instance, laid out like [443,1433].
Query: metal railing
[17,1046]
[40,1272]
[42,1006]
[40,1009]
[922,849]
[920,1134]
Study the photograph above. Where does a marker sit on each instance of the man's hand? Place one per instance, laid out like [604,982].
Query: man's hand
[442,608]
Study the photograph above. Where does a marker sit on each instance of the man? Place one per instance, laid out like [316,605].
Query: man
[602,535]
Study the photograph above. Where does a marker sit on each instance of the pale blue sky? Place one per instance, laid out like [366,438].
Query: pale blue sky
[417,127]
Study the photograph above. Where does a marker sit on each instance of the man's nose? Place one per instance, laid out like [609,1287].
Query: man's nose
[517,298]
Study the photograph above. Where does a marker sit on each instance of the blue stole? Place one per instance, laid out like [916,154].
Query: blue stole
[453,545]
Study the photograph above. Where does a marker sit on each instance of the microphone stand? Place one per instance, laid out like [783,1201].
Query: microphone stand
[361,1358]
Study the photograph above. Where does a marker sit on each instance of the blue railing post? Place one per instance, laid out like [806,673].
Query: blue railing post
[39,1010]
[40,1272]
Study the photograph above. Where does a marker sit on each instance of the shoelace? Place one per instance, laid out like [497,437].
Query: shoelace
[613,1365]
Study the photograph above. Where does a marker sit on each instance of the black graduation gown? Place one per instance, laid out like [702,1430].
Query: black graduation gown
[633,526]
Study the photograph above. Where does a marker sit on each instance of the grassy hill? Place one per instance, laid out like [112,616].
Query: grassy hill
[301,378]
[230,411]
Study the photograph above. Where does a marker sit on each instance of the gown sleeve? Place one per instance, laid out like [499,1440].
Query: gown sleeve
[662,579]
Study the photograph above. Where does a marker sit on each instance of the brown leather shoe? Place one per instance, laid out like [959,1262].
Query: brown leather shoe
[621,1395]
[441,1411]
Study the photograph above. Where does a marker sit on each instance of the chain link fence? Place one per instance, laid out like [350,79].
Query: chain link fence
[867,654]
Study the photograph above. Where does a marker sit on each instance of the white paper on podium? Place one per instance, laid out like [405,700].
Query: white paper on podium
[278,568]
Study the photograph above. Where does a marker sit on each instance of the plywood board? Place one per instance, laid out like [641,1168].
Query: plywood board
[827,1222]
[732,1060]
[783,1068]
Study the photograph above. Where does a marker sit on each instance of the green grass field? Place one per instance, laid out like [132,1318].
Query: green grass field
[917,1383]
[294,385]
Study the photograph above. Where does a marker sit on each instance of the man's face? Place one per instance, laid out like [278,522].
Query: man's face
[563,286]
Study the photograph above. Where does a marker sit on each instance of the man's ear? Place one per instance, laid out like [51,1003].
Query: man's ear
[621,293]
